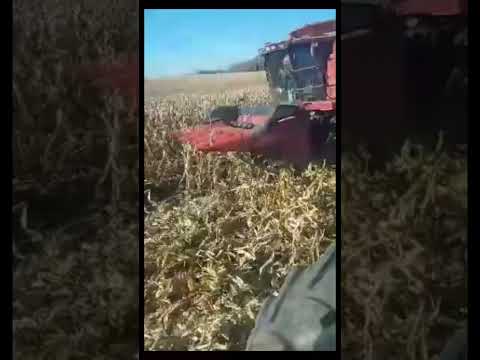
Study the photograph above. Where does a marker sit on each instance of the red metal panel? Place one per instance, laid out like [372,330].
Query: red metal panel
[318,105]
[221,137]
[432,7]
[288,140]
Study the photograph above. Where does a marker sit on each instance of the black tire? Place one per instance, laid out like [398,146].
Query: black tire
[303,316]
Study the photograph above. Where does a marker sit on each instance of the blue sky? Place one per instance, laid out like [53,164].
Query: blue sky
[183,41]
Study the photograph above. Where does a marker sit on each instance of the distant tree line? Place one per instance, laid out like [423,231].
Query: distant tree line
[255,64]
[203,72]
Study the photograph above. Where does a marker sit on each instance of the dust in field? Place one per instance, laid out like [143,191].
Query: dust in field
[204,83]
[224,231]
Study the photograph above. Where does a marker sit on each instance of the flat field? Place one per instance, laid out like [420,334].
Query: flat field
[208,83]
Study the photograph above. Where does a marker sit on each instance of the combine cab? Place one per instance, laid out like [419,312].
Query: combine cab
[303,68]
[301,75]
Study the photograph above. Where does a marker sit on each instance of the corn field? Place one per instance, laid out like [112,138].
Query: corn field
[224,231]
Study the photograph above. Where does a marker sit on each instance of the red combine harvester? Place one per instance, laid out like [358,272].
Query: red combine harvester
[403,72]
[301,74]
